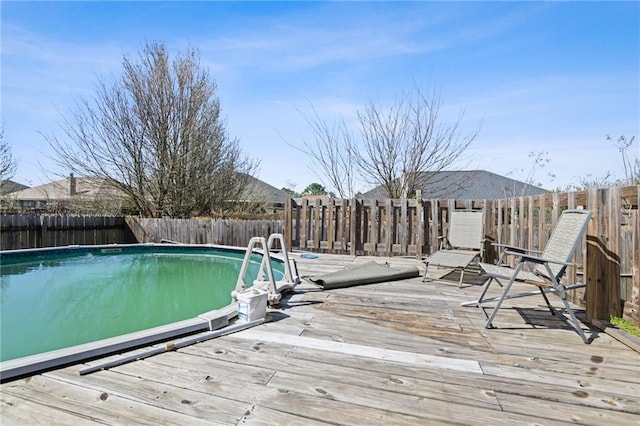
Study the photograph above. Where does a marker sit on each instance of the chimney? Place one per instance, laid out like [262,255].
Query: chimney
[72,185]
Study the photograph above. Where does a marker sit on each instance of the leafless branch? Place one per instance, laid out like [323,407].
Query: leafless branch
[398,148]
[158,135]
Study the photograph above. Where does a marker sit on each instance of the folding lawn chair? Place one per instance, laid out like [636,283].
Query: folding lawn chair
[463,244]
[547,268]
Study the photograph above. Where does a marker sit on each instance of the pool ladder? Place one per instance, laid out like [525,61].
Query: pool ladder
[265,279]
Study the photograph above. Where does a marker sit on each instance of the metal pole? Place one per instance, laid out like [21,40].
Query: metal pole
[170,346]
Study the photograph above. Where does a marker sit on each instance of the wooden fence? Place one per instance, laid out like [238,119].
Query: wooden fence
[21,231]
[609,259]
[203,231]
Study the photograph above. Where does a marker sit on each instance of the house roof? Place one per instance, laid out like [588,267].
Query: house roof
[85,187]
[467,185]
[8,186]
[258,190]
[100,188]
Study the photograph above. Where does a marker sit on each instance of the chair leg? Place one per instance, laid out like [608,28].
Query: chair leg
[507,287]
[426,271]
[546,299]
[461,277]
[484,290]
[477,302]
[573,320]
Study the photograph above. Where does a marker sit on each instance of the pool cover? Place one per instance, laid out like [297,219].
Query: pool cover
[366,273]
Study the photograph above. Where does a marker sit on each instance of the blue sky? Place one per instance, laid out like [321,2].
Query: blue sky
[553,77]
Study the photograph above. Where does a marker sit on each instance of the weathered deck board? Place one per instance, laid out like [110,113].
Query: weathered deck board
[18,411]
[467,387]
[150,391]
[403,352]
[93,404]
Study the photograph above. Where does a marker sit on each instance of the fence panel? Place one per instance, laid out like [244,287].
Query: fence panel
[203,231]
[21,231]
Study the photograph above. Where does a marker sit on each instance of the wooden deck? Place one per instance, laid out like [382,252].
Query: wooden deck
[401,352]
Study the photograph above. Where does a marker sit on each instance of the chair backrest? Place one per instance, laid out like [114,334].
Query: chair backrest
[466,229]
[563,240]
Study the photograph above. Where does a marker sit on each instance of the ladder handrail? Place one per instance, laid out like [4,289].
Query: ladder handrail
[266,269]
[288,275]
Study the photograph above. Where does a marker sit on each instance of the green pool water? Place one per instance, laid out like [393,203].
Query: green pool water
[55,302]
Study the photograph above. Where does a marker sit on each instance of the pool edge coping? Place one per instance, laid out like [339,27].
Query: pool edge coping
[20,367]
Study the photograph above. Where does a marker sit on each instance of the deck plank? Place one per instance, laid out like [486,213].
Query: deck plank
[18,411]
[149,391]
[273,354]
[93,404]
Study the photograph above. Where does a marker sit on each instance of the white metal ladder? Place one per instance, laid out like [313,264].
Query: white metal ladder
[265,279]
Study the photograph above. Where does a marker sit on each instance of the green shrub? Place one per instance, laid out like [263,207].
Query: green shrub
[625,325]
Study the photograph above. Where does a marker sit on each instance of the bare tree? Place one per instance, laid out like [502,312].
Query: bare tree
[539,160]
[157,133]
[7,162]
[399,148]
[331,153]
[631,166]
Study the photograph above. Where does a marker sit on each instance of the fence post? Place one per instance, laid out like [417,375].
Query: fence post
[602,268]
[318,222]
[404,226]
[631,307]
[344,228]
[489,231]
[434,227]
[331,223]
[304,220]
[353,228]
[420,228]
[288,223]
[388,226]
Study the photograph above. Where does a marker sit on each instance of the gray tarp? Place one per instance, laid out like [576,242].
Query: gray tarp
[367,273]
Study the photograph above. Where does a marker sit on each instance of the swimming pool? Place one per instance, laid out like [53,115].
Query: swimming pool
[65,300]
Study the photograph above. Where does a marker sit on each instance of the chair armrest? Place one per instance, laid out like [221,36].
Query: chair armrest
[515,248]
[444,242]
[537,259]
[511,250]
